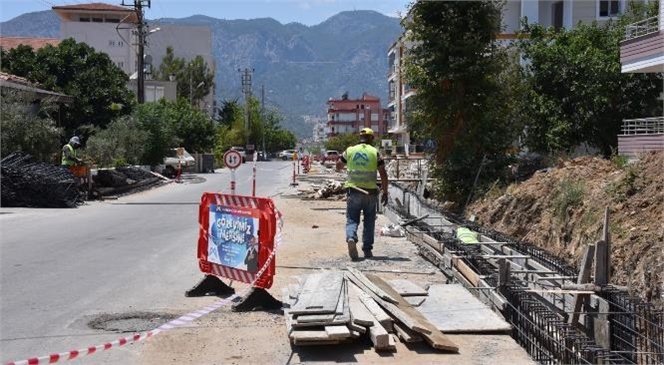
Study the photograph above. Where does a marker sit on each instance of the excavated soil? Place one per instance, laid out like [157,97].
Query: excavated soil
[562,208]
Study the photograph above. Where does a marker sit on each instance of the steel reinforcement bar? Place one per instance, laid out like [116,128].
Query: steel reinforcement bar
[636,329]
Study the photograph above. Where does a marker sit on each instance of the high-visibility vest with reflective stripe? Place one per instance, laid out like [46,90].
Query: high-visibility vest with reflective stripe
[64,160]
[361,163]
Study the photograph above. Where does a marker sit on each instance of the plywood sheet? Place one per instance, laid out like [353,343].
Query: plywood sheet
[407,288]
[453,309]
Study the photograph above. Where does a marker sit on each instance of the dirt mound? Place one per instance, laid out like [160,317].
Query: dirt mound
[561,209]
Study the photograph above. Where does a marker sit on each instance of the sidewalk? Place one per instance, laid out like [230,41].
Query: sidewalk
[314,239]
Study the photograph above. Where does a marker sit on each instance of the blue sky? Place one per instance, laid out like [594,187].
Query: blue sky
[308,12]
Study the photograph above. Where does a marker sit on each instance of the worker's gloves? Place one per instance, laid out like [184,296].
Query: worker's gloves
[383,198]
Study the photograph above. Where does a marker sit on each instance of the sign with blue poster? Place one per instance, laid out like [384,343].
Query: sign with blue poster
[233,240]
[237,237]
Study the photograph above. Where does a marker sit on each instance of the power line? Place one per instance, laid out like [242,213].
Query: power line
[140,32]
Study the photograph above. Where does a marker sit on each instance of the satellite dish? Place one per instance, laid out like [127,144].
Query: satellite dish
[147,59]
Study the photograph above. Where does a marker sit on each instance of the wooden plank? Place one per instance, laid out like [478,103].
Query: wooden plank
[407,335]
[379,314]
[606,237]
[358,312]
[407,288]
[436,338]
[393,311]
[453,309]
[308,288]
[319,294]
[379,337]
[356,327]
[466,271]
[601,270]
[361,280]
[310,335]
[415,301]
[337,332]
[584,277]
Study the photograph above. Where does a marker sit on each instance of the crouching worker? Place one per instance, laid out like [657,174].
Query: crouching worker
[69,152]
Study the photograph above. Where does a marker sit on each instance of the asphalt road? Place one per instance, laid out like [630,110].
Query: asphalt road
[61,268]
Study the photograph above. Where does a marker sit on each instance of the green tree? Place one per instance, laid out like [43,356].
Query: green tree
[193,128]
[342,141]
[28,130]
[456,66]
[578,93]
[194,78]
[98,86]
[155,119]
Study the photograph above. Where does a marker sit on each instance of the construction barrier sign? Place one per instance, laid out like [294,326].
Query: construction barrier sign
[236,237]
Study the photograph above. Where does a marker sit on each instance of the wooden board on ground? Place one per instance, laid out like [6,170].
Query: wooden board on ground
[358,312]
[452,309]
[319,294]
[415,301]
[436,338]
[407,288]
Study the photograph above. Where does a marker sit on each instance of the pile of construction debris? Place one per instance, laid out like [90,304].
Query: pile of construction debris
[123,180]
[330,188]
[28,183]
[341,306]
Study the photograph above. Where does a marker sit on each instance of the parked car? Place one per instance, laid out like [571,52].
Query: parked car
[287,154]
[330,157]
[242,151]
[171,161]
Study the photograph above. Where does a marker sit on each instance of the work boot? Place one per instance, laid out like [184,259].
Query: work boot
[352,249]
[368,254]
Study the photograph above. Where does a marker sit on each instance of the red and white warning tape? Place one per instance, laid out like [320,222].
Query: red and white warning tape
[70,355]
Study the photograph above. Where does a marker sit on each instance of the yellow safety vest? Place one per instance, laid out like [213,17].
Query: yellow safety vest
[467,236]
[362,163]
[64,160]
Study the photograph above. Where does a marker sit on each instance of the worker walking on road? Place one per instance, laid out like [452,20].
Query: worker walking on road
[69,152]
[362,161]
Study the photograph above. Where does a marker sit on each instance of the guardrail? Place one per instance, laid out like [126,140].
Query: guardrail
[641,28]
[654,125]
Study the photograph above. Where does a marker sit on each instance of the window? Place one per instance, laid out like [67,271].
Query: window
[120,64]
[112,20]
[111,43]
[84,19]
[97,20]
[609,8]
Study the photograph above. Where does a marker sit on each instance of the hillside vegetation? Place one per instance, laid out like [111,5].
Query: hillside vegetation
[561,209]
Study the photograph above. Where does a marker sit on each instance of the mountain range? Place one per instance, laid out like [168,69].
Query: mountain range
[300,66]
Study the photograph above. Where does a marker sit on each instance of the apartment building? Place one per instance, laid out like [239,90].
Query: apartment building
[642,51]
[112,29]
[346,115]
[549,13]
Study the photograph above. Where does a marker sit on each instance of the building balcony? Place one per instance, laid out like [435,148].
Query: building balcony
[642,50]
[641,135]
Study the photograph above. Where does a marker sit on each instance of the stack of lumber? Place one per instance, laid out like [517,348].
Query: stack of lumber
[334,307]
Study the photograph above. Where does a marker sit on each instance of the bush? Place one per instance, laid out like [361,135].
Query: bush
[569,195]
[24,129]
[120,143]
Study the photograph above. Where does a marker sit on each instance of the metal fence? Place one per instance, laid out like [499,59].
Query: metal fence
[654,125]
[641,28]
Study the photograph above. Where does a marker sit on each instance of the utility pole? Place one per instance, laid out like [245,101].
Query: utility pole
[263,118]
[246,89]
[140,33]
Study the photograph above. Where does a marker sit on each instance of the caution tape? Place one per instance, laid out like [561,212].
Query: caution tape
[73,354]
